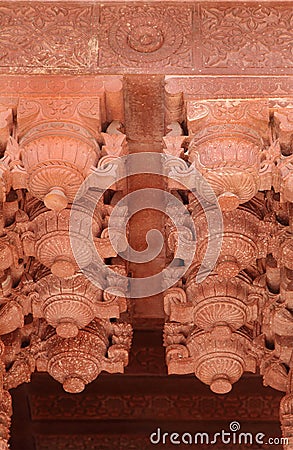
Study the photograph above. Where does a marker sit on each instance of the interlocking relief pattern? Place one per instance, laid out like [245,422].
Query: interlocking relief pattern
[162,406]
[191,38]
[104,442]
[255,36]
[39,37]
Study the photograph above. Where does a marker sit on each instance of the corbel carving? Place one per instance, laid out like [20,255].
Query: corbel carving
[49,239]
[77,361]
[240,245]
[71,304]
[217,357]
[214,301]
[226,146]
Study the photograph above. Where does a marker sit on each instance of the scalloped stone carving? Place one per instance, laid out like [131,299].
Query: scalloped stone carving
[71,304]
[57,157]
[240,245]
[228,156]
[213,301]
[220,357]
[77,361]
[217,357]
[52,242]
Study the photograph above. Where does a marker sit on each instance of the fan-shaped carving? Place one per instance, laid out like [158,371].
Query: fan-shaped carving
[239,246]
[217,300]
[219,357]
[57,161]
[228,156]
[53,245]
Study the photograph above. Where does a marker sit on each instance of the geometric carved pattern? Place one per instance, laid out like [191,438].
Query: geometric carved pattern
[46,35]
[121,442]
[152,36]
[162,406]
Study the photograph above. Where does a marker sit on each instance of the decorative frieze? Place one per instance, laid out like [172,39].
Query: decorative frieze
[72,38]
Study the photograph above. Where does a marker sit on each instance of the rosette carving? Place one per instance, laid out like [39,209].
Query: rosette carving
[77,361]
[71,304]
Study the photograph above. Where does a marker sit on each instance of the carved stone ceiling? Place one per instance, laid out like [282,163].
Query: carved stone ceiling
[171,116]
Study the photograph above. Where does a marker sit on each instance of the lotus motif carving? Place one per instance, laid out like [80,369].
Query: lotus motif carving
[77,361]
[57,158]
[71,304]
[229,159]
